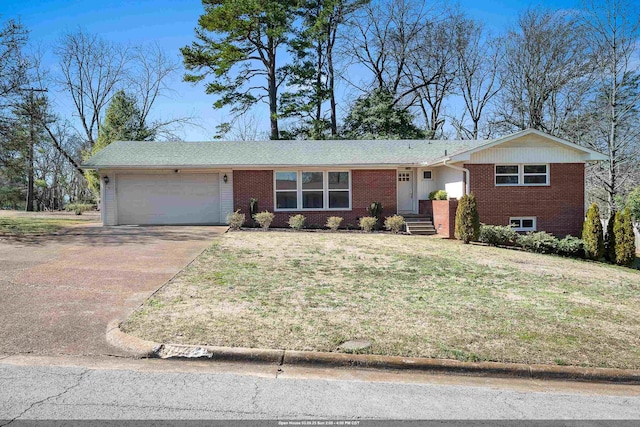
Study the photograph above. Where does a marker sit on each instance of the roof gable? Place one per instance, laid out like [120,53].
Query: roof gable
[513,139]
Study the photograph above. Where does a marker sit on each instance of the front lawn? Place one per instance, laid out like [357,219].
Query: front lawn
[409,295]
[25,225]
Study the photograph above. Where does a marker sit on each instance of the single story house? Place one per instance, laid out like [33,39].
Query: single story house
[529,179]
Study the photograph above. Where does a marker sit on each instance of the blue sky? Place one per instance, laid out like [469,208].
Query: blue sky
[170,24]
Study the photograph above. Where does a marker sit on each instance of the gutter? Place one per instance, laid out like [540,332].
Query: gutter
[458,168]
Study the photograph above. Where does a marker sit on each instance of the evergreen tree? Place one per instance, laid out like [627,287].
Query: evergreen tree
[610,239]
[376,116]
[633,203]
[592,234]
[625,239]
[246,35]
[467,227]
[123,122]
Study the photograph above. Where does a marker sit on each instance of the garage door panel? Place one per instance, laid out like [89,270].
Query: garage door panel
[168,199]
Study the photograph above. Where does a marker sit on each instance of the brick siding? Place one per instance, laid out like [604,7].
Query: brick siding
[444,217]
[558,207]
[367,186]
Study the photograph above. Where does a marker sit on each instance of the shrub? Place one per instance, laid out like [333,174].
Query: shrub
[592,234]
[296,222]
[79,208]
[571,246]
[467,219]
[264,219]
[394,223]
[375,209]
[368,222]
[253,207]
[610,239]
[438,195]
[333,222]
[633,203]
[538,241]
[625,239]
[235,220]
[495,235]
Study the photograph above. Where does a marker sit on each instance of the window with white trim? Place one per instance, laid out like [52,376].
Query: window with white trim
[312,190]
[427,175]
[522,174]
[286,190]
[526,223]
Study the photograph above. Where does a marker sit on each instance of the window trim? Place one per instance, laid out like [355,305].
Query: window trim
[522,218]
[427,170]
[521,175]
[325,191]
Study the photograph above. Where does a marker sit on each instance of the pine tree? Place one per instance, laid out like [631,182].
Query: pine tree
[467,220]
[246,36]
[592,234]
[625,249]
[123,122]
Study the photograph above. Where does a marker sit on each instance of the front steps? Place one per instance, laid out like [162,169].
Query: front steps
[419,225]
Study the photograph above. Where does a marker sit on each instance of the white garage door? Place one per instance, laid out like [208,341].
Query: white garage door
[178,198]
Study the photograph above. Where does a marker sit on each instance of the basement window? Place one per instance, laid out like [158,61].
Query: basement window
[527,223]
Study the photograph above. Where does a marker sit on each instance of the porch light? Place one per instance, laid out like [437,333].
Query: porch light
[106,180]
[225,178]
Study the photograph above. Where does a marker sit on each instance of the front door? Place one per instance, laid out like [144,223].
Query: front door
[405,192]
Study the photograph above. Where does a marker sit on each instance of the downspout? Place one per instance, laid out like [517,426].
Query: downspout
[465,190]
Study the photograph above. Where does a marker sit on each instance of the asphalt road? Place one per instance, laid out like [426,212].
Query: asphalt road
[168,390]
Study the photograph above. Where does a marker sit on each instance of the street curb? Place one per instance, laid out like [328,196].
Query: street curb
[149,349]
[137,347]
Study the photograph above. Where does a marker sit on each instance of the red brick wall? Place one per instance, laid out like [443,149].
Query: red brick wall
[367,186]
[444,217]
[425,207]
[559,207]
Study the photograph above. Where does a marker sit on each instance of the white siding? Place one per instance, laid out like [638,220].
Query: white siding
[110,199]
[226,195]
[529,149]
[450,180]
[109,206]
[425,186]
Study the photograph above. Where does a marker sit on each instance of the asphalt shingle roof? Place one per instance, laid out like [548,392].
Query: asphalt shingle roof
[275,153]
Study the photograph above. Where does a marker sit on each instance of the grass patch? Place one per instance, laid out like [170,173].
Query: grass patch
[25,225]
[410,296]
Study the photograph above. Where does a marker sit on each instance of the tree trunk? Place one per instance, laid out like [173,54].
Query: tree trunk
[273,91]
[29,207]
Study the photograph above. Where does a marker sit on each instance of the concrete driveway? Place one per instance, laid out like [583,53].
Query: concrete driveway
[58,293]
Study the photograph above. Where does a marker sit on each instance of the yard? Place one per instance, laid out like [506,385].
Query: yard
[408,295]
[17,223]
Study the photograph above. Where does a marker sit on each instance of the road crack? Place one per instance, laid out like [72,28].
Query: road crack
[46,399]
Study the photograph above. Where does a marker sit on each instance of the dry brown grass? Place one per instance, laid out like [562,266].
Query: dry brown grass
[409,295]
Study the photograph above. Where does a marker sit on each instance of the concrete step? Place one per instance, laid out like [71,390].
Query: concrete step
[422,232]
[421,227]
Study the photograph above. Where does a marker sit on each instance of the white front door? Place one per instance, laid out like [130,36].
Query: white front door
[405,191]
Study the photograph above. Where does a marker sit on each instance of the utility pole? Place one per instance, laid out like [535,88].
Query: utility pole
[30,152]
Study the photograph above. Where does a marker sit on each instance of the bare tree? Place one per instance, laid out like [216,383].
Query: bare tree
[544,72]
[381,38]
[478,56]
[92,68]
[611,124]
[148,72]
[433,67]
